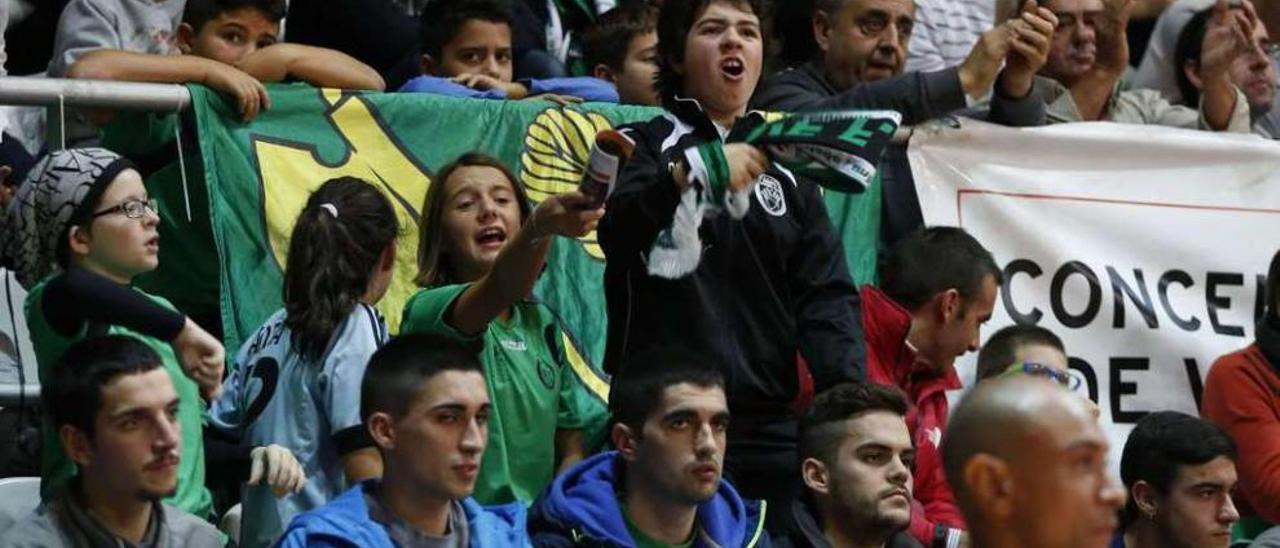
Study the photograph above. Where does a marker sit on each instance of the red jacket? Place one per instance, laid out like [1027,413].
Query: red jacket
[890,361]
[1242,395]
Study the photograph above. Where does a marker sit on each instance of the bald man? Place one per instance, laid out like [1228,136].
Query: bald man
[1027,462]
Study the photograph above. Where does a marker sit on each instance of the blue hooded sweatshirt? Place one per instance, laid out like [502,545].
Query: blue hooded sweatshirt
[580,508]
[345,522]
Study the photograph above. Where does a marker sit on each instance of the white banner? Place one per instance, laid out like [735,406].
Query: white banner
[1144,248]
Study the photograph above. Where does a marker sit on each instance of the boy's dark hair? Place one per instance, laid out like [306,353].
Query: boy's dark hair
[1161,443]
[398,370]
[1000,351]
[932,260]
[636,391]
[73,393]
[822,427]
[441,20]
[331,259]
[1190,41]
[607,40]
[434,266]
[198,12]
[675,20]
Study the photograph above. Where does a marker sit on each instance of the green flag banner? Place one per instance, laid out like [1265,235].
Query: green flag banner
[259,175]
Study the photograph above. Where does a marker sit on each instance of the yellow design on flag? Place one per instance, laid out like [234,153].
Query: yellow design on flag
[291,171]
[556,148]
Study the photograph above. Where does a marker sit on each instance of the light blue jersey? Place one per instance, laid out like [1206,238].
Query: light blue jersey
[273,395]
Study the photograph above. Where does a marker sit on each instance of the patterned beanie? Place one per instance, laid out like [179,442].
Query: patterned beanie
[55,195]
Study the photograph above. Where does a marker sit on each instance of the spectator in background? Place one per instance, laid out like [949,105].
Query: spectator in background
[946,31]
[341,254]
[481,249]
[663,484]
[1179,472]
[115,413]
[553,31]
[622,48]
[231,46]
[1014,346]
[1028,463]
[857,457]
[424,402]
[862,48]
[1091,53]
[1242,395]
[774,285]
[467,52]
[1254,73]
[937,287]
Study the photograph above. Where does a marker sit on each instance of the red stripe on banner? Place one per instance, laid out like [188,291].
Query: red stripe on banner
[960,194]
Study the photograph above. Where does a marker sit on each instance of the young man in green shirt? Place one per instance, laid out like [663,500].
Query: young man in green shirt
[663,486]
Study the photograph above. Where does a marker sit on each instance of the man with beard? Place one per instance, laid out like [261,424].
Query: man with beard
[857,465]
[1179,471]
[662,486]
[1090,54]
[1254,72]
[115,410]
[1028,463]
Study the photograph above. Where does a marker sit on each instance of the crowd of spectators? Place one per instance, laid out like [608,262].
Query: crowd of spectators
[757,395]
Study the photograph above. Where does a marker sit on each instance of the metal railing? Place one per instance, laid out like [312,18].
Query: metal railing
[59,94]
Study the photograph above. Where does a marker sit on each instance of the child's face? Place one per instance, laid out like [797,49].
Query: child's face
[114,245]
[481,214]
[231,36]
[636,82]
[480,47]
[722,58]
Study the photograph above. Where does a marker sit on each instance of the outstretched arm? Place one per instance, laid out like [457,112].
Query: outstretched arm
[110,64]
[320,67]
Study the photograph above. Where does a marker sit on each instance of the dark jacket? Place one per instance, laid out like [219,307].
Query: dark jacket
[919,96]
[580,508]
[802,529]
[769,287]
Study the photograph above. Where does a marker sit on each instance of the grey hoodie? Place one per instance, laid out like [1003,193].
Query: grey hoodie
[142,26]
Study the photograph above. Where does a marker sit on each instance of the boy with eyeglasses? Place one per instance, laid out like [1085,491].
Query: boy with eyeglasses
[82,229]
[1029,350]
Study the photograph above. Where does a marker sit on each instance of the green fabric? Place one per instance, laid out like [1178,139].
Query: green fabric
[258,176]
[643,540]
[56,468]
[712,153]
[533,390]
[1248,528]
[186,275]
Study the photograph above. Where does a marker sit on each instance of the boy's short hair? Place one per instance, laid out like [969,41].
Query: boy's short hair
[675,19]
[1162,442]
[397,371]
[932,260]
[73,394]
[609,39]
[636,391]
[198,12]
[822,429]
[441,20]
[1000,351]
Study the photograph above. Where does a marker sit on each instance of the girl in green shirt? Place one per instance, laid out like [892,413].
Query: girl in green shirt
[481,248]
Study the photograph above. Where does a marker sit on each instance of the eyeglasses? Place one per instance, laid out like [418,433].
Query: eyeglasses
[1067,380]
[133,209]
[1271,50]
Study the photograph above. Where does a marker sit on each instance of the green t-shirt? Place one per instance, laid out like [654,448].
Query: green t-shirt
[534,390]
[56,468]
[645,541]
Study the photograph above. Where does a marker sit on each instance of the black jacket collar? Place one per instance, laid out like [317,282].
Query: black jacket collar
[690,111]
